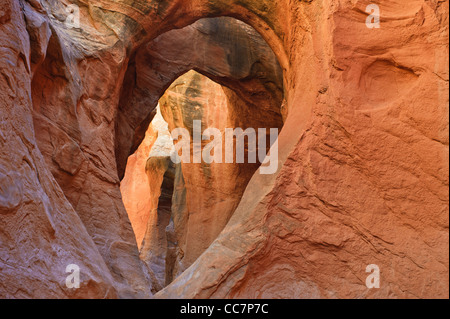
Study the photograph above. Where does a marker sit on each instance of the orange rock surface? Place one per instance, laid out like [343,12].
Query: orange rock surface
[363,154]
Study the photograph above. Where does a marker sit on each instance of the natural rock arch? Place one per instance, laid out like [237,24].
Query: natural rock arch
[224,49]
[371,185]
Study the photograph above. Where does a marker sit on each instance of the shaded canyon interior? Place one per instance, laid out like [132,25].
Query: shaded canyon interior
[86,177]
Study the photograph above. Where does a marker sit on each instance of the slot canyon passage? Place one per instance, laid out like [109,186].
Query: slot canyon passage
[362,174]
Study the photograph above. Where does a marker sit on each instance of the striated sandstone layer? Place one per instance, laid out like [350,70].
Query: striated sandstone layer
[190,203]
[363,155]
[224,49]
[138,203]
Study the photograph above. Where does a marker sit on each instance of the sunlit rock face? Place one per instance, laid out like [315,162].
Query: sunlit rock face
[147,191]
[226,50]
[136,194]
[188,204]
[207,194]
[363,155]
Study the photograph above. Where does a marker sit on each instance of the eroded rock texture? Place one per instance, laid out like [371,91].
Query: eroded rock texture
[135,182]
[204,195]
[224,49]
[363,154]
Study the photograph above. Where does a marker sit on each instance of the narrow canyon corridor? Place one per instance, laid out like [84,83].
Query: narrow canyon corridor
[204,195]
[177,211]
[224,149]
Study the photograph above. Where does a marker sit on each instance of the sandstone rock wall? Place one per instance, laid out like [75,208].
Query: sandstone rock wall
[204,195]
[41,234]
[363,170]
[336,206]
[223,49]
[139,203]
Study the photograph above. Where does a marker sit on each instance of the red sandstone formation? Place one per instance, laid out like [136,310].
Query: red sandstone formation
[363,155]
[139,203]
[204,195]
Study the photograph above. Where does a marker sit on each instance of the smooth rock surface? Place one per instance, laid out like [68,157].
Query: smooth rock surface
[363,155]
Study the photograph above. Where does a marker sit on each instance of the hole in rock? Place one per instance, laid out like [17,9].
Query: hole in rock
[220,72]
